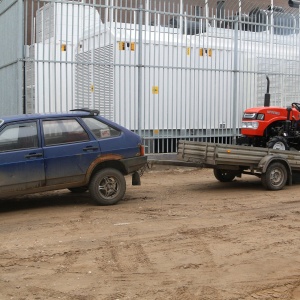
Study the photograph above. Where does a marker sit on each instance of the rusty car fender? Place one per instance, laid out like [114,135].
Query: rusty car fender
[99,160]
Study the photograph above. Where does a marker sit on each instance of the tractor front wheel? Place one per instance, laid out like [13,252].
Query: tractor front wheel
[278,143]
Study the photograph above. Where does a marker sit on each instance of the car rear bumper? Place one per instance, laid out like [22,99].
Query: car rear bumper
[134,164]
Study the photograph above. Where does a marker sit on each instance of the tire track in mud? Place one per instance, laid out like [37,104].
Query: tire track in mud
[116,295]
[119,270]
[289,291]
[286,291]
[70,259]
[188,252]
[113,254]
[199,247]
[85,219]
[47,293]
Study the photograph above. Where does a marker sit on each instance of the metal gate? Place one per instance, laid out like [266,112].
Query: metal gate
[12,57]
[167,70]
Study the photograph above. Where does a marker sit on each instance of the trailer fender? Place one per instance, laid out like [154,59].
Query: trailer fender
[268,159]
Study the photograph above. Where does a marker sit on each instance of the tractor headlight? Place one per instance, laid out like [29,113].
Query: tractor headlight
[260,116]
[249,116]
[250,125]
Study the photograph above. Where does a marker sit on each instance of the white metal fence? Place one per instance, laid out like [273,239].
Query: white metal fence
[167,70]
[11,57]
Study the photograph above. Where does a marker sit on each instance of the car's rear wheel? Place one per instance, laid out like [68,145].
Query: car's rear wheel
[107,187]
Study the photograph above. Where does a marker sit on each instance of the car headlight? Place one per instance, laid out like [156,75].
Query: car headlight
[250,125]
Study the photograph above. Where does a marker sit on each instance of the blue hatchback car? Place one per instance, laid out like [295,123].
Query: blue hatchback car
[79,150]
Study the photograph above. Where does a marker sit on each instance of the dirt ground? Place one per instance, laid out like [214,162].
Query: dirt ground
[180,235]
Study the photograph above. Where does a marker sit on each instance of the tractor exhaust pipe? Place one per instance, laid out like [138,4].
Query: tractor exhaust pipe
[288,122]
[267,94]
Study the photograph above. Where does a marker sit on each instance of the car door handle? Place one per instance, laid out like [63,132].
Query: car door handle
[90,148]
[33,155]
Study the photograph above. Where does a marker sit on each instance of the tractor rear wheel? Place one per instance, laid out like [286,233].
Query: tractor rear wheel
[278,143]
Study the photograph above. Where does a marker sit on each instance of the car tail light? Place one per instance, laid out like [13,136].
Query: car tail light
[142,150]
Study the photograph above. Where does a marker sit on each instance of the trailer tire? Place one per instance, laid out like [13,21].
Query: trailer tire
[275,177]
[278,143]
[224,175]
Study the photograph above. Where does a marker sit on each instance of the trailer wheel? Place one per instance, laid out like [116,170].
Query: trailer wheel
[275,177]
[278,143]
[224,175]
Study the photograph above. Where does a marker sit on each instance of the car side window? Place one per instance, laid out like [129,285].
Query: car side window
[63,131]
[100,129]
[19,136]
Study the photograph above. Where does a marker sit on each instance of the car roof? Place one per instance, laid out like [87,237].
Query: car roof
[23,117]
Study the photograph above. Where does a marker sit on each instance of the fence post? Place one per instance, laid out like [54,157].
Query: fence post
[235,80]
[140,81]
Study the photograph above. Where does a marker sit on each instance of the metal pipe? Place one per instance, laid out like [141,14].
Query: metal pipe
[140,70]
[235,81]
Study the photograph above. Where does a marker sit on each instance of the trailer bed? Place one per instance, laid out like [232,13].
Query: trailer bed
[240,159]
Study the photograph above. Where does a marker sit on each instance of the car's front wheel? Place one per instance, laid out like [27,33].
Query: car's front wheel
[107,187]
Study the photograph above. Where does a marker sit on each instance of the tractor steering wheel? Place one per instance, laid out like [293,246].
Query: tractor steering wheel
[296,105]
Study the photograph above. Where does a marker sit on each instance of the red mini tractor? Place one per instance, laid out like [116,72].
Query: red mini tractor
[271,126]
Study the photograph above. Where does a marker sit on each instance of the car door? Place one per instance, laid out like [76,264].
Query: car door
[112,140]
[21,158]
[68,151]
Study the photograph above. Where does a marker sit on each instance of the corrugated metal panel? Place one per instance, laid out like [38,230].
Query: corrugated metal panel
[11,45]
[83,79]
[45,20]
[103,74]
[30,81]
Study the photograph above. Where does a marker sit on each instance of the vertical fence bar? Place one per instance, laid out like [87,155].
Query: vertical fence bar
[140,69]
[235,80]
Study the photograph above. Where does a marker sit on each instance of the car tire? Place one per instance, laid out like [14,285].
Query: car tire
[107,187]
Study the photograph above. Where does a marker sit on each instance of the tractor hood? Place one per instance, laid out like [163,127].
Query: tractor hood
[267,113]
[257,119]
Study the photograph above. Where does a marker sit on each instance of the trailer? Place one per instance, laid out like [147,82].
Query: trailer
[274,167]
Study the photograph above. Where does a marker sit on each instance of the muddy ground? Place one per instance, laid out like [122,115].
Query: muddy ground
[181,235]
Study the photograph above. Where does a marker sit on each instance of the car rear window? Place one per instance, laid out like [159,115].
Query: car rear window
[100,129]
